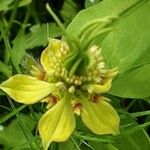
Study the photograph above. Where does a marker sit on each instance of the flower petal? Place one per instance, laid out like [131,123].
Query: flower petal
[100,117]
[51,55]
[26,89]
[98,88]
[57,123]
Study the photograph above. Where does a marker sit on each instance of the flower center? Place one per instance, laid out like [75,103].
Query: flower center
[95,72]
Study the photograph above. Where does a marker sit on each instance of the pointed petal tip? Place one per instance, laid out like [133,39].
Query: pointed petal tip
[57,124]
[101,118]
[26,89]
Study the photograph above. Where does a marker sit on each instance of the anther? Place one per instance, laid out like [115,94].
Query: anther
[95,98]
[77,108]
[71,89]
[89,78]
[67,80]
[77,82]
[93,49]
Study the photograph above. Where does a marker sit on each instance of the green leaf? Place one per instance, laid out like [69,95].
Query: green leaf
[12,136]
[24,2]
[40,33]
[123,47]
[143,59]
[134,83]
[8,4]
[4,4]
[18,50]
[2,93]
[120,44]
[68,145]
[137,140]
[107,146]
[89,3]
[11,114]
[5,69]
[69,10]
[126,46]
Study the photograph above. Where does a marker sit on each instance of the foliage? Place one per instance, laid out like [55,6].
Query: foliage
[119,27]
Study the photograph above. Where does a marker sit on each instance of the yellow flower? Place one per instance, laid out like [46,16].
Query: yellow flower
[69,86]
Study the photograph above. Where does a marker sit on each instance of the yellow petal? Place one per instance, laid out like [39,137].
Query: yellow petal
[57,123]
[52,54]
[98,88]
[100,117]
[26,89]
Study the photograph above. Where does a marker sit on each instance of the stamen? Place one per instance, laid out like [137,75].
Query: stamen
[77,108]
[95,98]
[71,89]
[53,100]
[42,75]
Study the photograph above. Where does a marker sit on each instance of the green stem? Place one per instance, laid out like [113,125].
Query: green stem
[95,25]
[6,41]
[75,143]
[88,32]
[138,114]
[32,112]
[55,17]
[12,114]
[131,104]
[24,128]
[25,19]
[34,13]
[4,107]
[93,139]
[132,142]
[13,15]
[134,129]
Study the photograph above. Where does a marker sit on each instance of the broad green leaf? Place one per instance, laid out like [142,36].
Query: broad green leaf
[143,59]
[124,47]
[89,3]
[134,83]
[120,44]
[40,33]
